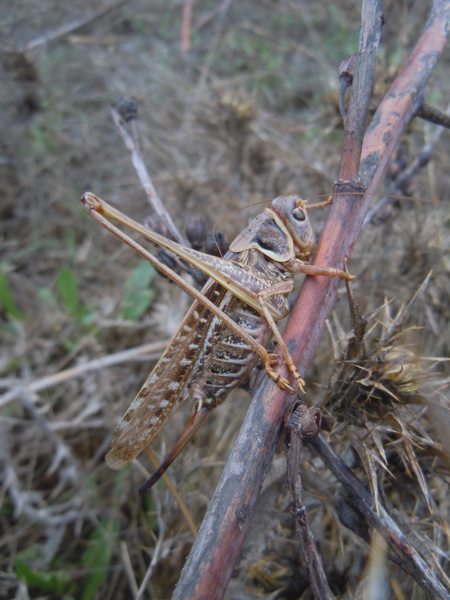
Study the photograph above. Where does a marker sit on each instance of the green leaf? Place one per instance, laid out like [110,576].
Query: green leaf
[7,300]
[67,286]
[49,581]
[137,294]
[96,559]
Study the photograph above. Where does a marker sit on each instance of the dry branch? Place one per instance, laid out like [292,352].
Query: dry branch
[218,545]
[66,28]
[124,115]
[145,352]
[302,427]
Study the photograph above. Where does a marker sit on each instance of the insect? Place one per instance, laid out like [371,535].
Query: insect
[226,329]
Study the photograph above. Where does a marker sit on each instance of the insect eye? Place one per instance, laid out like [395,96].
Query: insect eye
[299,214]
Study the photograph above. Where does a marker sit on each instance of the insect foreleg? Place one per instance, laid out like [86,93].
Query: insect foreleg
[290,365]
[299,266]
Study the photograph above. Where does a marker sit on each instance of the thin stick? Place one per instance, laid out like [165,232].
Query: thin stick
[132,143]
[434,115]
[67,28]
[173,490]
[125,555]
[148,351]
[303,425]
[186,25]
[219,28]
[143,588]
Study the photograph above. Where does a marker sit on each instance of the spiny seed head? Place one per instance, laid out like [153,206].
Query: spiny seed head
[398,370]
[401,369]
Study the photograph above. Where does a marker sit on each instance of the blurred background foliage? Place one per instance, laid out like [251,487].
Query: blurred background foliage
[247,112]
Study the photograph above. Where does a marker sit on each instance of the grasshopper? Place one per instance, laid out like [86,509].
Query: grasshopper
[228,326]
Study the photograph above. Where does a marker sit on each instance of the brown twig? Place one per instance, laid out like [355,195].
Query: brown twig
[211,55]
[401,181]
[124,115]
[67,28]
[146,351]
[302,427]
[355,120]
[186,25]
[425,111]
[217,547]
[434,115]
[143,588]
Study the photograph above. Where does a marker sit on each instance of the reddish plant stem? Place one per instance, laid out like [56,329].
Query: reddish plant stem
[186,25]
[217,547]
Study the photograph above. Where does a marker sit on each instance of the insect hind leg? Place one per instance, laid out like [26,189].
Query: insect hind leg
[195,421]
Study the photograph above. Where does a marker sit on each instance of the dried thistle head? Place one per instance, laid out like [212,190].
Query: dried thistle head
[390,375]
[237,110]
[381,370]
[401,368]
[382,404]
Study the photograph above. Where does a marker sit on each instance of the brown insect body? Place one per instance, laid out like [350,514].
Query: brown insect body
[205,360]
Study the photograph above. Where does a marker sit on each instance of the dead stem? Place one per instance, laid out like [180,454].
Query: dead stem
[131,141]
[146,351]
[302,427]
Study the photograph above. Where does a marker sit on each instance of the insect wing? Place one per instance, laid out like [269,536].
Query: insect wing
[163,390]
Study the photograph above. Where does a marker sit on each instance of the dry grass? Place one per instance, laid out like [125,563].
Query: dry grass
[230,125]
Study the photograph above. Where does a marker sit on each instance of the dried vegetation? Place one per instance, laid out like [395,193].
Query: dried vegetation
[248,113]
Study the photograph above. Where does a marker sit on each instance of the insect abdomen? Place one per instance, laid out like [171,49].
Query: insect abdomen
[230,359]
